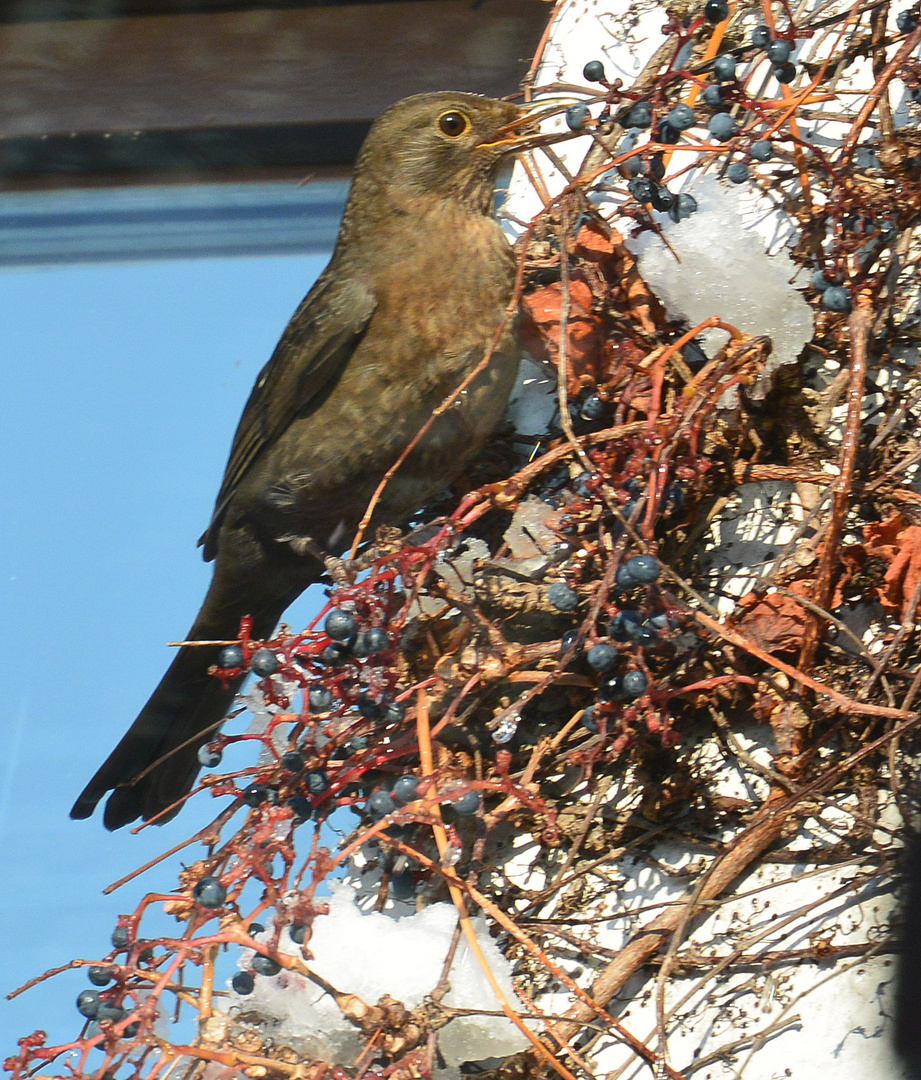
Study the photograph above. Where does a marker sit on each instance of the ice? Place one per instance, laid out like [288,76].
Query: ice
[725,271]
[371,954]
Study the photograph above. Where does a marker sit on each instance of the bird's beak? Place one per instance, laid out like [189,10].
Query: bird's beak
[524,133]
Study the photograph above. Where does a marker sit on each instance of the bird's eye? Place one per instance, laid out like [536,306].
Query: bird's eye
[453,124]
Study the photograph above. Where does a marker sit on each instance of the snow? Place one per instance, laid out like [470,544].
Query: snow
[370,954]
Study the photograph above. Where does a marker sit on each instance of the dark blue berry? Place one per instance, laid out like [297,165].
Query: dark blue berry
[601,657]
[685,205]
[403,885]
[88,1003]
[254,795]
[265,965]
[380,804]
[298,934]
[724,68]
[593,71]
[467,804]
[264,662]
[715,11]
[906,21]
[576,115]
[567,641]
[562,597]
[713,96]
[722,126]
[340,625]
[762,150]
[624,578]
[887,229]
[610,689]
[394,712]
[231,656]
[633,166]
[320,698]
[292,760]
[335,654]
[120,937]
[778,52]
[317,782]
[641,189]
[680,117]
[301,807]
[624,625]
[738,172]
[132,1029]
[819,281]
[99,976]
[662,199]
[784,73]
[836,298]
[667,134]
[107,1010]
[255,928]
[634,684]
[593,408]
[208,757]
[406,788]
[209,892]
[640,116]
[377,640]
[243,983]
[588,720]
[761,37]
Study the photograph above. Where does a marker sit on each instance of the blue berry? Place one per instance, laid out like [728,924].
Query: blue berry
[292,760]
[724,69]
[254,795]
[298,934]
[593,71]
[265,965]
[209,758]
[715,11]
[255,928]
[662,199]
[99,975]
[209,892]
[761,37]
[722,126]
[377,640]
[335,654]
[319,699]
[264,662]
[680,117]
[108,1010]
[593,408]
[836,298]
[301,808]
[403,885]
[634,684]
[906,21]
[406,789]
[467,804]
[762,150]
[562,597]
[576,115]
[611,689]
[819,281]
[340,625]
[667,134]
[784,73]
[601,657]
[685,205]
[633,166]
[778,52]
[380,804]
[243,983]
[231,656]
[644,569]
[394,712]
[317,782]
[642,189]
[588,720]
[713,96]
[887,229]
[88,1003]
[120,937]
[624,625]
[738,172]
[640,116]
[358,646]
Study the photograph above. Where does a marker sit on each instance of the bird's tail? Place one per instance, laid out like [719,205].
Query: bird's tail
[156,762]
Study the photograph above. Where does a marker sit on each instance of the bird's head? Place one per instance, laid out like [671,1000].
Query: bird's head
[447,146]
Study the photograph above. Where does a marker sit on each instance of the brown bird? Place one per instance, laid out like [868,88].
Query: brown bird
[416,290]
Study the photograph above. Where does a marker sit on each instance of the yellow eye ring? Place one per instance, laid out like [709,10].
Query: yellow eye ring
[453,124]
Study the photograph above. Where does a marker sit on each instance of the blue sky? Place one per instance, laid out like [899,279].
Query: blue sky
[121,388]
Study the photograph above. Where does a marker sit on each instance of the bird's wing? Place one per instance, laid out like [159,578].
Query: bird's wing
[309,358]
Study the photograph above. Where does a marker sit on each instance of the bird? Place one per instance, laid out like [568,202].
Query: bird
[417,291]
